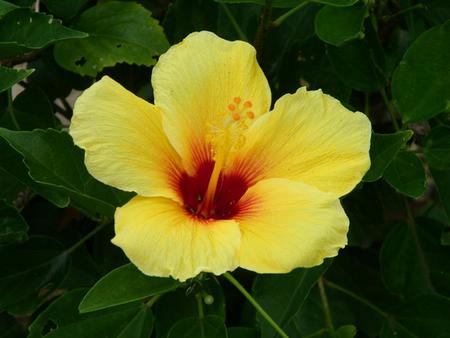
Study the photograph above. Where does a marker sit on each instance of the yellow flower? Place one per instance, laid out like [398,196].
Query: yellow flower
[221,182]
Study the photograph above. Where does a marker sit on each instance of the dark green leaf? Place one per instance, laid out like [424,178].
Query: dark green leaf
[421,82]
[383,149]
[437,148]
[123,285]
[403,266]
[425,316]
[30,271]
[31,109]
[66,9]
[283,295]
[339,25]
[442,180]
[6,7]
[13,227]
[62,320]
[34,30]
[54,161]
[207,327]
[356,65]
[294,3]
[406,174]
[118,32]
[10,76]
[242,332]
[14,170]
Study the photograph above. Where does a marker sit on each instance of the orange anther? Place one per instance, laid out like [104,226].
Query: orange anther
[236,116]
[248,104]
[251,115]
[231,107]
[237,100]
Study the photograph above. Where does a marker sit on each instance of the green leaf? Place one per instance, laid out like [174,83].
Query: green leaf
[437,148]
[62,320]
[425,316]
[24,28]
[13,227]
[242,332]
[356,65]
[346,331]
[403,266]
[55,162]
[207,327]
[339,25]
[118,32]
[66,9]
[6,7]
[13,169]
[10,76]
[123,285]
[383,149]
[30,271]
[32,109]
[442,180]
[406,174]
[421,82]
[185,302]
[293,3]
[283,295]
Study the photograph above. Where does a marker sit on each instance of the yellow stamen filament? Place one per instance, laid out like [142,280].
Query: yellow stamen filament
[208,199]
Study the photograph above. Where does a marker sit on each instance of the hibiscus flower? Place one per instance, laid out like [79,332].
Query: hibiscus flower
[221,180]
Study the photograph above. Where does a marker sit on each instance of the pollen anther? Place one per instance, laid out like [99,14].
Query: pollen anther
[236,116]
[237,100]
[231,107]
[248,104]
[251,115]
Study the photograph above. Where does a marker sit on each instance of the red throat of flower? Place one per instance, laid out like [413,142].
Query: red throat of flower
[211,195]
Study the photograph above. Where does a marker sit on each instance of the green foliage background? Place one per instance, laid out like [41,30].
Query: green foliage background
[61,277]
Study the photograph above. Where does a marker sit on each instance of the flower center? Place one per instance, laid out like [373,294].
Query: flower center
[223,205]
[217,194]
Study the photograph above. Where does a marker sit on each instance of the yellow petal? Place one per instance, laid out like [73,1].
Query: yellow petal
[309,137]
[286,224]
[194,83]
[162,239]
[123,139]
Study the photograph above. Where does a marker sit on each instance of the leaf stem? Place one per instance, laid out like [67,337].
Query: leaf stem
[85,238]
[10,109]
[233,22]
[358,298]
[277,22]
[255,304]
[152,301]
[325,305]
[413,229]
[403,11]
[264,25]
[389,107]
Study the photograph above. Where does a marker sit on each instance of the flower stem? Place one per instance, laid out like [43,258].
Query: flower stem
[264,25]
[255,304]
[325,305]
[233,21]
[389,108]
[152,301]
[286,15]
[85,238]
